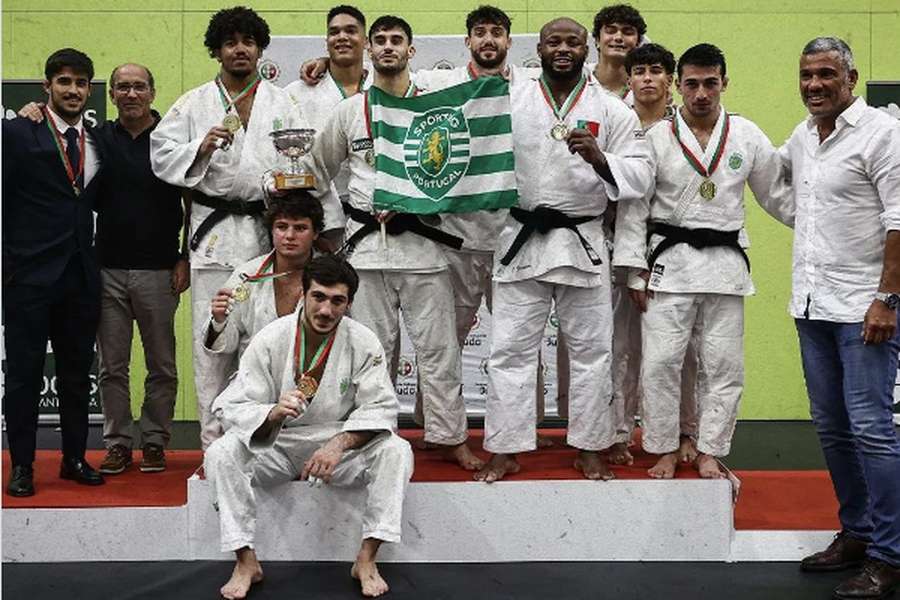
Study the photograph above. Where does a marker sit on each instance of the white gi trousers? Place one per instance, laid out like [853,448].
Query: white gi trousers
[426,302]
[384,466]
[585,317]
[715,322]
[211,371]
[627,372]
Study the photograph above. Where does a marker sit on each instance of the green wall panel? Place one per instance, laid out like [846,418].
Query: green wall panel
[761,40]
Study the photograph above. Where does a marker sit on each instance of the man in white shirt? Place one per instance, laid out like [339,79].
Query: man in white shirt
[845,164]
[575,147]
[690,272]
[209,143]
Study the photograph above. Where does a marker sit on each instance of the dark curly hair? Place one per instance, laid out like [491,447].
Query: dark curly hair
[298,204]
[230,21]
[488,15]
[329,270]
[619,13]
[650,54]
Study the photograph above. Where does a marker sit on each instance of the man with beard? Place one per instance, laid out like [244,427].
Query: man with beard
[575,148]
[312,400]
[51,278]
[268,286]
[345,76]
[683,242]
[209,143]
[845,293]
[402,270]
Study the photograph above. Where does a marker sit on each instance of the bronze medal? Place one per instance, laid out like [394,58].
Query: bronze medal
[370,158]
[707,190]
[559,132]
[307,385]
[241,293]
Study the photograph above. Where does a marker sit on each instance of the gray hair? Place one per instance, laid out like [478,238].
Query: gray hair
[831,44]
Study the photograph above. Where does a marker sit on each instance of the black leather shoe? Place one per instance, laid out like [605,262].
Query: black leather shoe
[876,580]
[79,471]
[21,481]
[844,552]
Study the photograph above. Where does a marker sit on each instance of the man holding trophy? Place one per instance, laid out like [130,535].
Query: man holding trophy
[209,144]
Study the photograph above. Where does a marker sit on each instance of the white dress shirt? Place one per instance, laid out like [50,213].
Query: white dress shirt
[847,192]
[91,156]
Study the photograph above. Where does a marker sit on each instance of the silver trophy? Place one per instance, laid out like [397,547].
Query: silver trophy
[294,143]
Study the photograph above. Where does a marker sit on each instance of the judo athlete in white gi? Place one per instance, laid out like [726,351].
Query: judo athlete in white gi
[344,76]
[209,144]
[692,276]
[404,270]
[576,147]
[269,286]
[651,71]
[312,399]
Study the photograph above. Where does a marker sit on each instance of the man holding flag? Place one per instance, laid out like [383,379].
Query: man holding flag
[396,253]
[552,247]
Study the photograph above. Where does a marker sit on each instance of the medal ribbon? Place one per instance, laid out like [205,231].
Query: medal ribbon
[717,155]
[561,112]
[227,101]
[362,81]
[318,358]
[261,275]
[72,174]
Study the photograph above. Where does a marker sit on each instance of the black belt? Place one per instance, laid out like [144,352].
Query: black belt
[399,223]
[542,219]
[221,209]
[697,238]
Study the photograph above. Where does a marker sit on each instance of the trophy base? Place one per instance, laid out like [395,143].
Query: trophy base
[294,181]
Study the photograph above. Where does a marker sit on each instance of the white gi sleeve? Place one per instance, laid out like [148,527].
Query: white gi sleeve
[174,146]
[628,154]
[330,148]
[768,179]
[376,403]
[630,242]
[228,340]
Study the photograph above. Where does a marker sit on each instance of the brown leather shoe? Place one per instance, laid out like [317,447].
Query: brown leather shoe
[117,459]
[154,459]
[844,552]
[876,580]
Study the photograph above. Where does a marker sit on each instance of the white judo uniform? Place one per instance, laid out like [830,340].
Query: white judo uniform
[234,175]
[355,394]
[407,274]
[698,292]
[555,266]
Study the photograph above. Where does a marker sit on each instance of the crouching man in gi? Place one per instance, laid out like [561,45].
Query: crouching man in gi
[312,399]
[576,147]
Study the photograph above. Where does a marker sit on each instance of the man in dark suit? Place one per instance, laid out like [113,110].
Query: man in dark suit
[51,279]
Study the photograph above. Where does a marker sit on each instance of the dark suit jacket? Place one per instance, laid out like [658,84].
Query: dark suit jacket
[44,222]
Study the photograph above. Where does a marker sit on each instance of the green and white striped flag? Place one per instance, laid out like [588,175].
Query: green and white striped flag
[450,151]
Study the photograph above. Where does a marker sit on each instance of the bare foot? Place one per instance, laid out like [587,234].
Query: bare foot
[247,571]
[664,467]
[463,456]
[543,441]
[421,444]
[497,468]
[618,454]
[369,578]
[593,466]
[708,467]
[687,450]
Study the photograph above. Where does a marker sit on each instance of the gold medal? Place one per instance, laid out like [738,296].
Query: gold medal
[241,293]
[370,158]
[232,123]
[559,132]
[707,190]
[307,385]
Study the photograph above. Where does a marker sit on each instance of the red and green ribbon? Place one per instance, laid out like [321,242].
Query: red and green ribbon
[717,155]
[560,112]
[71,172]
[261,275]
[227,100]
[318,359]
[362,81]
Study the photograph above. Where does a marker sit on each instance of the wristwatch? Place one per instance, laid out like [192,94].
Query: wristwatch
[891,299]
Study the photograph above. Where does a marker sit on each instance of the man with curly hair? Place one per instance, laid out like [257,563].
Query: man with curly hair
[618,29]
[209,144]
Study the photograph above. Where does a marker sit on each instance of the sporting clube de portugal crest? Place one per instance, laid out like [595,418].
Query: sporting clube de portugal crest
[437,151]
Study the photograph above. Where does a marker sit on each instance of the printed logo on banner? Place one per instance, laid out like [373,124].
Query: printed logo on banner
[476,322]
[443,64]
[483,366]
[437,151]
[269,70]
[553,320]
[405,367]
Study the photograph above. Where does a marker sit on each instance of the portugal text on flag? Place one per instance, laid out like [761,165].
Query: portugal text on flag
[450,151]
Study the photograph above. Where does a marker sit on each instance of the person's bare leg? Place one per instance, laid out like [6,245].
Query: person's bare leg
[366,571]
[664,467]
[708,467]
[687,450]
[247,571]
[618,454]
[591,463]
[497,468]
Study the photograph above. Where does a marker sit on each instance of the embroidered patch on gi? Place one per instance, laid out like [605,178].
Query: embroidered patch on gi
[657,274]
[361,144]
[735,160]
[378,360]
[345,384]
[639,134]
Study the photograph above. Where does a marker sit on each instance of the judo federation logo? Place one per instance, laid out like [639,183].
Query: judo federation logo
[269,70]
[735,161]
[436,151]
